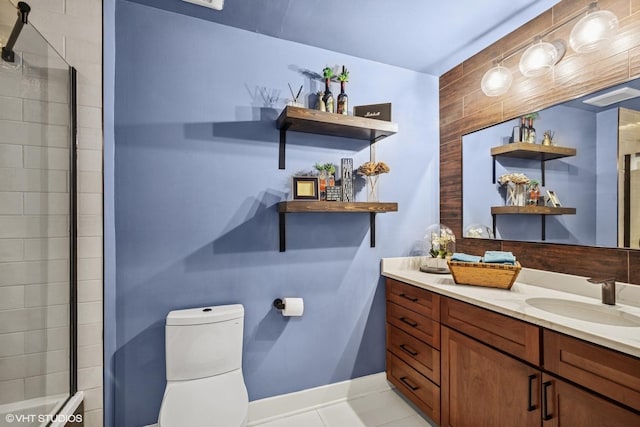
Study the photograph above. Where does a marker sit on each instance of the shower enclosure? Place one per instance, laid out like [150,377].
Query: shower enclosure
[37,225]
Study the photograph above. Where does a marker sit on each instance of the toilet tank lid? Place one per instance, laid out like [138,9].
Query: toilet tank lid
[203,315]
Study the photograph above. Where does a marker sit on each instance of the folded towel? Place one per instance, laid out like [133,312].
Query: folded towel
[457,256]
[499,257]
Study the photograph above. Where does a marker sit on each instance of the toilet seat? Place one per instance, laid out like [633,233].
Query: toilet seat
[217,401]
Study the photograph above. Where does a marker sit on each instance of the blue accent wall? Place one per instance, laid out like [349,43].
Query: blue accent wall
[196,183]
[574,179]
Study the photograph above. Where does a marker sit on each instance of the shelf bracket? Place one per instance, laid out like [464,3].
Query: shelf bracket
[283,236]
[283,143]
[372,228]
[542,167]
[544,226]
[372,150]
[494,225]
[494,176]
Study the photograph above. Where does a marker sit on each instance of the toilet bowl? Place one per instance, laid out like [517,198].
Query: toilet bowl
[205,386]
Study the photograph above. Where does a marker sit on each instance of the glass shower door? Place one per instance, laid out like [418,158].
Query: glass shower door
[37,248]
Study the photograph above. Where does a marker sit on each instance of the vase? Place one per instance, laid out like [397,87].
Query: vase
[343,100]
[322,183]
[321,104]
[328,97]
[372,188]
[516,195]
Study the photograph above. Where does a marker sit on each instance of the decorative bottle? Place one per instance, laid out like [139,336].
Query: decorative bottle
[343,100]
[532,132]
[523,130]
[328,96]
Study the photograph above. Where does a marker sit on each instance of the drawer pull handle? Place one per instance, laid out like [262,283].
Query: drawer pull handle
[408,349]
[545,405]
[408,322]
[530,405]
[408,384]
[405,296]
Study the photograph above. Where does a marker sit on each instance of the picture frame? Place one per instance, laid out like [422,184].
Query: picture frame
[305,188]
[553,198]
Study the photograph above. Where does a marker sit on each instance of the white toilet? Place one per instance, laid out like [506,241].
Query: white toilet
[205,386]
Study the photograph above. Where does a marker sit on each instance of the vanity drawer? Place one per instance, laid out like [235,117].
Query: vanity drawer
[414,324]
[608,372]
[422,392]
[414,298]
[518,338]
[420,356]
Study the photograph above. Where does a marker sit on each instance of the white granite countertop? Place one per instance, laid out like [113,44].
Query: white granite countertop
[569,304]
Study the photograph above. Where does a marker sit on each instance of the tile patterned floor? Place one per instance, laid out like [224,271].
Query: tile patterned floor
[384,409]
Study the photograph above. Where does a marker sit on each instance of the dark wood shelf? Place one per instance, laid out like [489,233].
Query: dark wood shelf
[300,119]
[337,207]
[543,211]
[314,206]
[531,210]
[525,150]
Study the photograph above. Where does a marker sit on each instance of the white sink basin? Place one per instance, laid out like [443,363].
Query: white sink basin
[602,314]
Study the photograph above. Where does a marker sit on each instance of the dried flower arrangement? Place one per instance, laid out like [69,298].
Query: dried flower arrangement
[516,178]
[372,171]
[373,168]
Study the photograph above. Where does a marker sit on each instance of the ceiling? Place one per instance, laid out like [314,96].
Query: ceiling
[429,36]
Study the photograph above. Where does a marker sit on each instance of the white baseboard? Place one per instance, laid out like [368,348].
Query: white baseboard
[275,407]
[272,408]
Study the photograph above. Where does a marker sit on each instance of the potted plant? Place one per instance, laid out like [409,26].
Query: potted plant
[325,175]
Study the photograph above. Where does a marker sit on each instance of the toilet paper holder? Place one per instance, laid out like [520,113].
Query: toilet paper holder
[278,303]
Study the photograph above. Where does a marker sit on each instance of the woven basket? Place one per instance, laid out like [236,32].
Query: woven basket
[501,276]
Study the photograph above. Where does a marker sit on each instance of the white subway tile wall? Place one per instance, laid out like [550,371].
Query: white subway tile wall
[34,341]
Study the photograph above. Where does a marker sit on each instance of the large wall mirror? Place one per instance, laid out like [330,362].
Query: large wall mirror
[465,109]
[595,181]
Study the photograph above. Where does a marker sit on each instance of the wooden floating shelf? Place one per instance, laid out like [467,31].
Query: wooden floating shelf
[314,206]
[301,119]
[531,210]
[543,211]
[336,207]
[525,150]
[313,121]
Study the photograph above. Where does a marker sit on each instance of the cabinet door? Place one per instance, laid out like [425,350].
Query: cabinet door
[483,387]
[564,405]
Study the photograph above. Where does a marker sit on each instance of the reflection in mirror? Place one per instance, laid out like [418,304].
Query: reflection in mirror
[583,167]
[629,179]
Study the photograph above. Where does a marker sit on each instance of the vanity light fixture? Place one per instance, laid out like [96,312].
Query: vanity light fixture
[593,31]
[538,59]
[496,81]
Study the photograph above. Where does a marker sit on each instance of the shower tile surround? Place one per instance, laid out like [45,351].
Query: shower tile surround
[34,359]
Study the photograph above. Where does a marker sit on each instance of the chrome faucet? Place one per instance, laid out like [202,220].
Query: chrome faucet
[608,289]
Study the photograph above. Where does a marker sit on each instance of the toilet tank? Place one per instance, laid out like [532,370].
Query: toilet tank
[203,342]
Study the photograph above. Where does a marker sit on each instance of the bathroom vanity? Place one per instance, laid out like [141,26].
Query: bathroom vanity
[546,352]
